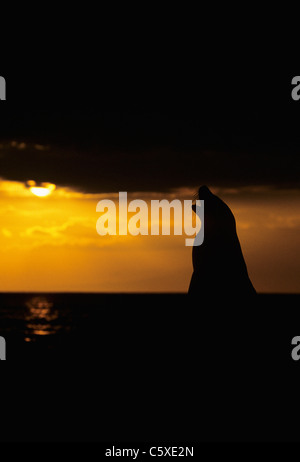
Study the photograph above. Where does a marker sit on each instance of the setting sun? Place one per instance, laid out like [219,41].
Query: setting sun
[41,191]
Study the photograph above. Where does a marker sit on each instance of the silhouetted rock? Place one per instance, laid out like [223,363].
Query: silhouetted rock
[219,266]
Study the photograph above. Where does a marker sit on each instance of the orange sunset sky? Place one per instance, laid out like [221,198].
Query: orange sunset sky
[51,243]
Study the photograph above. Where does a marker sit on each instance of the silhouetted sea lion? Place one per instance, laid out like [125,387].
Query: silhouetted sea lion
[219,266]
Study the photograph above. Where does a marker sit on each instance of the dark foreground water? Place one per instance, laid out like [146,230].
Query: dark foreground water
[86,367]
[59,324]
[55,325]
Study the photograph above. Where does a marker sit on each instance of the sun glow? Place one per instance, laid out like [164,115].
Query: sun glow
[41,191]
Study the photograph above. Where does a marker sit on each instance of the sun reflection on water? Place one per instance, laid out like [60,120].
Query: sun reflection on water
[40,317]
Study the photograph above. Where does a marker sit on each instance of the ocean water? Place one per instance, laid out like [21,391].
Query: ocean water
[59,325]
[75,324]
[103,367]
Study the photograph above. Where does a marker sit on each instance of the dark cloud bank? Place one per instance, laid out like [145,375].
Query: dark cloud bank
[158,140]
